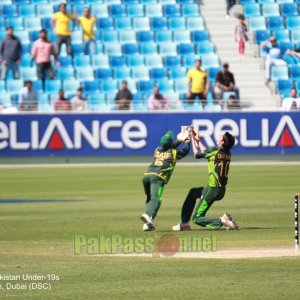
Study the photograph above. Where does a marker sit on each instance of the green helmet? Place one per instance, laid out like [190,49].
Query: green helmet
[167,140]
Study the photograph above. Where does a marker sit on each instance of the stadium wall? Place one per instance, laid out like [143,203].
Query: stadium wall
[132,134]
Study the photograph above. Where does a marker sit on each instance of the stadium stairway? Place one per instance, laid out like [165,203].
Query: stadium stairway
[248,74]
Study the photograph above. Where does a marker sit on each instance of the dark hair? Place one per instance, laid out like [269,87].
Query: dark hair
[228,140]
[124,81]
[241,17]
[61,91]
[198,60]
[27,81]
[232,97]
[43,30]
[63,4]
[80,89]
[226,65]
[9,27]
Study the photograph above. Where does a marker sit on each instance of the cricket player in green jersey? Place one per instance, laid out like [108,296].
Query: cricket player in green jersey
[218,168]
[159,173]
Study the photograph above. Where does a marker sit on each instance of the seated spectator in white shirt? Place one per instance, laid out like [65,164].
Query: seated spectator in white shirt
[28,98]
[292,102]
[158,101]
[78,102]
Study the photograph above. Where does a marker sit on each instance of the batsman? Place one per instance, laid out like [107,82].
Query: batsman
[219,159]
[159,173]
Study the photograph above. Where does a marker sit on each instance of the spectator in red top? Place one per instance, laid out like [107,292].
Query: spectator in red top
[62,103]
[41,52]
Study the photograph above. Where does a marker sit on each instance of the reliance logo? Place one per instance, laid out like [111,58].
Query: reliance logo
[56,136]
[285,134]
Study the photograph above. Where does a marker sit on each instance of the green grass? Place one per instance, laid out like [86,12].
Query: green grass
[38,237]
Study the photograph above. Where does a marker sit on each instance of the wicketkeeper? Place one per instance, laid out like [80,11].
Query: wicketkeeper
[160,172]
[218,168]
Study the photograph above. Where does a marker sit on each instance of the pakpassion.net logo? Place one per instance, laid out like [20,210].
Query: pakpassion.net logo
[167,244]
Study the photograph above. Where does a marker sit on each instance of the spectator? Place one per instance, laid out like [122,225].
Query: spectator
[197,83]
[229,4]
[292,102]
[87,24]
[233,103]
[241,36]
[158,101]
[28,98]
[78,102]
[225,83]
[124,97]
[273,58]
[62,103]
[41,53]
[60,23]
[11,52]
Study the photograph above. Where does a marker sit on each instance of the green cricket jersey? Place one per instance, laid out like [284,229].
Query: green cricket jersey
[165,161]
[218,165]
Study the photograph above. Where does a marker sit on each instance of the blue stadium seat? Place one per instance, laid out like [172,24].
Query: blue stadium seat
[190,10]
[26,48]
[279,72]
[180,86]
[159,23]
[165,86]
[109,86]
[135,60]
[104,73]
[122,73]
[28,73]
[182,36]
[76,1]
[189,60]
[117,61]
[266,1]
[26,60]
[148,48]
[2,24]
[77,49]
[33,24]
[200,36]
[168,48]
[141,24]
[123,23]
[78,10]
[172,61]
[38,85]
[195,23]
[145,86]
[158,73]
[294,72]
[270,9]
[153,10]
[27,10]
[257,23]
[284,46]
[293,22]
[210,61]
[23,36]
[39,1]
[34,35]
[82,61]
[9,11]
[177,23]
[44,10]
[153,61]
[85,73]
[117,11]
[163,36]
[251,10]
[130,49]
[284,86]
[46,23]
[295,36]
[22,1]
[145,36]
[70,86]
[131,1]
[282,35]
[172,10]
[135,10]
[65,73]
[177,73]
[52,86]
[127,36]
[2,87]
[90,86]
[140,73]
[186,49]
[212,74]
[289,9]
[205,48]
[16,23]
[275,23]
[105,24]
[261,36]
[113,49]
[99,10]
[5,100]
[109,37]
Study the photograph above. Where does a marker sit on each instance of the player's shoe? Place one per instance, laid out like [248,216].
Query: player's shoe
[182,227]
[147,228]
[148,221]
[229,223]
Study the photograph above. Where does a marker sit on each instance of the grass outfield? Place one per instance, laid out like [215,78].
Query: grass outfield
[37,237]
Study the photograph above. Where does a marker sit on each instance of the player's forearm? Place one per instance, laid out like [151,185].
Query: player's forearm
[201,147]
